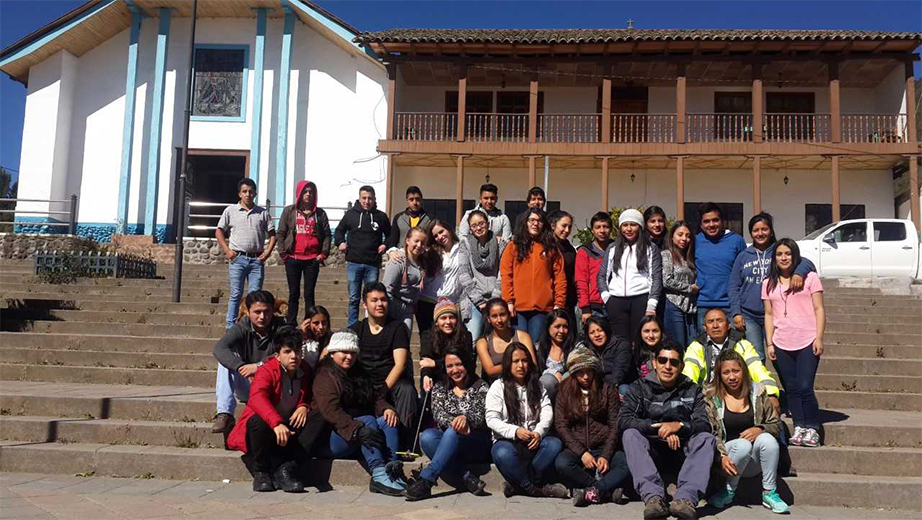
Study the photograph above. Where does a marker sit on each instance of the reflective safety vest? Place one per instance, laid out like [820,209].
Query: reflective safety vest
[699,361]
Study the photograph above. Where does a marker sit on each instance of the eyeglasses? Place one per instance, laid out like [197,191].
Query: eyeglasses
[534,221]
[672,361]
[479,225]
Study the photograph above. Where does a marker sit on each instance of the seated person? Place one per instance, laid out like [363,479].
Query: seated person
[447,333]
[461,435]
[493,344]
[717,337]
[616,353]
[663,421]
[647,341]
[269,431]
[384,354]
[586,419]
[747,429]
[349,415]
[519,413]
[316,330]
[555,345]
[240,352]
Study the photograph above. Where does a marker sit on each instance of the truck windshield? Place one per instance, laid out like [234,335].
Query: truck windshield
[818,232]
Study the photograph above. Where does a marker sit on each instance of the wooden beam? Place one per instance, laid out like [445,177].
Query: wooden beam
[757,109]
[680,187]
[835,105]
[680,104]
[914,192]
[389,183]
[756,185]
[462,103]
[606,123]
[391,101]
[605,206]
[879,47]
[459,190]
[533,111]
[911,106]
[836,204]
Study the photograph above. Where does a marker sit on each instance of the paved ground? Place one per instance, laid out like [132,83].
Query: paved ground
[33,496]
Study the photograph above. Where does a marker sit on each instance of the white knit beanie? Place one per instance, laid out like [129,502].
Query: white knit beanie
[630,215]
[343,341]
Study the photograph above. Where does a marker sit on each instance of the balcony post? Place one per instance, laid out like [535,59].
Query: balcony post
[462,102]
[914,192]
[605,206]
[606,128]
[911,110]
[757,109]
[680,97]
[459,190]
[680,187]
[756,184]
[835,105]
[389,182]
[391,104]
[532,174]
[836,205]
[533,115]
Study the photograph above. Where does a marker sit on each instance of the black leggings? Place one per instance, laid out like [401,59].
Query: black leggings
[625,313]
[294,270]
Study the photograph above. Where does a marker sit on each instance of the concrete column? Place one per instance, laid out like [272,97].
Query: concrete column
[259,54]
[156,121]
[281,158]
[124,177]
[680,187]
[836,203]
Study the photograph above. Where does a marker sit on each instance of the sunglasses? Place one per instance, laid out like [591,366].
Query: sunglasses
[672,361]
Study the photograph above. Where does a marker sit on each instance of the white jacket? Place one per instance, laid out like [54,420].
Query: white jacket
[447,284]
[629,281]
[498,417]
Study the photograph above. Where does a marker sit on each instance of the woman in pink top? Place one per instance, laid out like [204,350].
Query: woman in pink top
[794,325]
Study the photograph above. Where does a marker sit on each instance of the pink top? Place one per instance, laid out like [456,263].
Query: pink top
[792,313]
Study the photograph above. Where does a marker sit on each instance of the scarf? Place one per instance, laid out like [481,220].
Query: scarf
[484,257]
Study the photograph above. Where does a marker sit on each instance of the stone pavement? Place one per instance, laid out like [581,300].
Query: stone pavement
[33,496]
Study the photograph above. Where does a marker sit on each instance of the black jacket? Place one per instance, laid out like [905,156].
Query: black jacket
[569,267]
[240,344]
[401,225]
[363,232]
[618,359]
[648,403]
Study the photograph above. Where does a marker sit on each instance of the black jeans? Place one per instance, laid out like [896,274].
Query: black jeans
[294,269]
[424,323]
[624,314]
[576,476]
[264,451]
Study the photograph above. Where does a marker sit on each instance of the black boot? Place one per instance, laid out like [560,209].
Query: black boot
[419,489]
[262,482]
[474,484]
[285,479]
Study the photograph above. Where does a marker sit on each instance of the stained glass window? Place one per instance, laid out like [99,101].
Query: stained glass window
[219,82]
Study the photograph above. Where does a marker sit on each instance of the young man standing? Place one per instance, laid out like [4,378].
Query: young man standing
[664,420]
[413,216]
[248,226]
[360,235]
[716,248]
[304,244]
[536,199]
[499,223]
[588,261]
[240,352]
[384,353]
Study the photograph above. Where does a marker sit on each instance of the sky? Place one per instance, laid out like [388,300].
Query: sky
[21,17]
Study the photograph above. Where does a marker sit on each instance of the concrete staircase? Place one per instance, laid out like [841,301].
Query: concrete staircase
[111,377]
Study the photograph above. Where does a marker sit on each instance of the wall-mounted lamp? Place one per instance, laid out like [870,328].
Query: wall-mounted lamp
[786,180]
[487,178]
[633,177]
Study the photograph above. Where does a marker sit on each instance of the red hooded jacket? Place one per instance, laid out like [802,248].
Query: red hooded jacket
[588,261]
[303,246]
[265,394]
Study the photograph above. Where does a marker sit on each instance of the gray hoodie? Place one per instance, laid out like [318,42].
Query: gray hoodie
[499,223]
[404,282]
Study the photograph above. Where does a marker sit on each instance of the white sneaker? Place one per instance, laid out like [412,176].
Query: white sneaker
[811,438]
[798,438]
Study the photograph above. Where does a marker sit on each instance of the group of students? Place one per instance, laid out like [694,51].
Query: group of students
[597,366]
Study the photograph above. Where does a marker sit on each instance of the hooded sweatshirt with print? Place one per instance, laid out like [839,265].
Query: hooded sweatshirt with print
[749,270]
[402,224]
[714,259]
[363,232]
[301,234]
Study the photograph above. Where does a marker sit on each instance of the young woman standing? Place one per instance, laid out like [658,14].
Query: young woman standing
[405,278]
[519,413]
[500,335]
[561,226]
[747,429]
[533,278]
[654,219]
[631,275]
[681,313]
[794,326]
[480,278]
[555,345]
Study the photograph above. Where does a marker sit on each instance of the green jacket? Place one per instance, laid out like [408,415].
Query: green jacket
[763,414]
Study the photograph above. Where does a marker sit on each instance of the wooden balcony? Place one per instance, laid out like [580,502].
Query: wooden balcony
[496,128]
[569,128]
[643,128]
[875,128]
[425,126]
[798,128]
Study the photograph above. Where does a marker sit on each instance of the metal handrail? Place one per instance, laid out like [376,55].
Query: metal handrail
[72,213]
[35,212]
[35,200]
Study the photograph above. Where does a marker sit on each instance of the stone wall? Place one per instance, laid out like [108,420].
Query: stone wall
[19,246]
[208,252]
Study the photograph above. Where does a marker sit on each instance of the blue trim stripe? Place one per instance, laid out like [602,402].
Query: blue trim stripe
[258,73]
[124,180]
[337,29]
[156,120]
[246,72]
[281,159]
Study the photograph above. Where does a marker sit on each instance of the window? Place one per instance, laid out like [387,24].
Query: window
[220,82]
[790,102]
[733,102]
[444,209]
[477,102]
[733,115]
[854,232]
[512,209]
[732,211]
[791,125]
[889,232]
[819,215]
[517,102]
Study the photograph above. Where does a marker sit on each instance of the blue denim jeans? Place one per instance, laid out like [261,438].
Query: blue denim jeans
[755,333]
[242,268]
[702,312]
[797,369]
[475,324]
[531,322]
[359,276]
[680,327]
[515,470]
[339,448]
[448,451]
[230,387]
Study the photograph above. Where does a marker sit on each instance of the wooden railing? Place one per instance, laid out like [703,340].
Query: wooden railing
[569,128]
[643,128]
[425,126]
[496,127]
[797,128]
[874,128]
[719,128]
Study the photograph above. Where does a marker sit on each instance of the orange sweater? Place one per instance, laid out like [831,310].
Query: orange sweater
[533,285]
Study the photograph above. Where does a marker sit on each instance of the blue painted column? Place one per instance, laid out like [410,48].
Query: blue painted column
[281,160]
[257,121]
[124,179]
[156,121]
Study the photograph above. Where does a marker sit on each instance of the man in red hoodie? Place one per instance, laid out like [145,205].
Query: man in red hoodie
[588,260]
[304,244]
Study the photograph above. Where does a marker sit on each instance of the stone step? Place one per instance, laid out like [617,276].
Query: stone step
[865,318]
[106,317]
[116,291]
[35,303]
[895,352]
[110,431]
[854,383]
[43,341]
[106,375]
[869,367]
[78,328]
[869,428]
[854,338]
[841,399]
[327,280]
[102,296]
[840,325]
[869,310]
[96,358]
[912,302]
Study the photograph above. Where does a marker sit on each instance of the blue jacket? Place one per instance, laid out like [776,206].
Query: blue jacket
[750,268]
[714,263]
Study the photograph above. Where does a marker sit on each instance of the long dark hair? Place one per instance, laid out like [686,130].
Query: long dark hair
[604,325]
[680,257]
[309,313]
[643,243]
[523,240]
[441,342]
[357,387]
[532,386]
[487,307]
[730,356]
[467,359]
[642,352]
[775,272]
[769,221]
[570,399]
[544,346]
[650,213]
[434,253]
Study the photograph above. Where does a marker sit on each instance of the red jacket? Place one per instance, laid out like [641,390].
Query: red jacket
[588,261]
[265,393]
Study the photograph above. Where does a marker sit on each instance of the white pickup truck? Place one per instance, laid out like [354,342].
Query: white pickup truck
[864,247]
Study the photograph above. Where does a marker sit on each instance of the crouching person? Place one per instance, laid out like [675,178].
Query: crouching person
[270,429]
[586,418]
[519,413]
[461,437]
[664,421]
[747,429]
[349,416]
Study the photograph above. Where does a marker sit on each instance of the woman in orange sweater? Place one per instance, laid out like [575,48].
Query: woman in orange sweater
[532,274]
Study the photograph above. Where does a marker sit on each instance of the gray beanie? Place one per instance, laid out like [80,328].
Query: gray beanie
[344,341]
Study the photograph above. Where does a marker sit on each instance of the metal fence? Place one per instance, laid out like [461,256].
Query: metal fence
[96,265]
[71,223]
[204,223]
